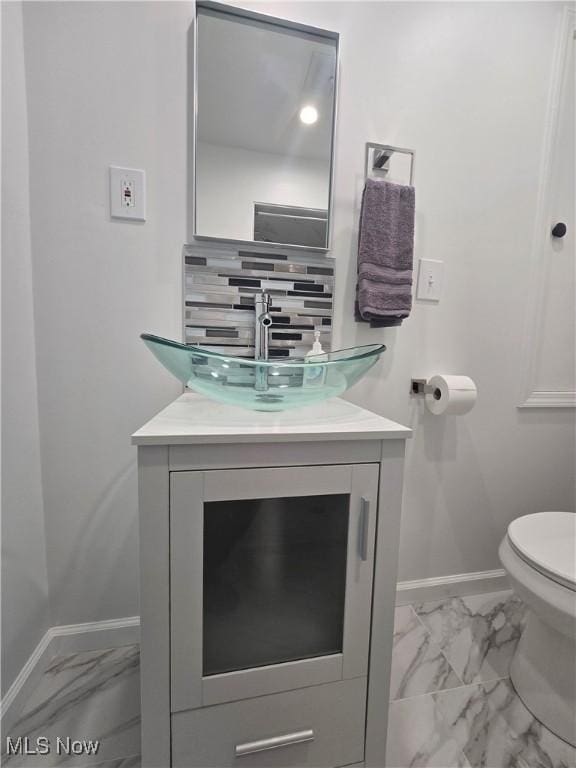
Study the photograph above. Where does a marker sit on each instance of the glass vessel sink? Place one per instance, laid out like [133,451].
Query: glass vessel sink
[264,385]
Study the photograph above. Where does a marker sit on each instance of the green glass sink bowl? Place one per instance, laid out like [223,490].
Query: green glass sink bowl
[264,385]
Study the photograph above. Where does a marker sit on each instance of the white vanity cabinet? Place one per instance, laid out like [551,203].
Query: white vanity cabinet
[268,572]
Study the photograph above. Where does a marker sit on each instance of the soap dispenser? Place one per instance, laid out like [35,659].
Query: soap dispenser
[314,375]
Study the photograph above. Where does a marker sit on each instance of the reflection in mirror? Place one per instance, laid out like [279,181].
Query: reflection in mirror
[264,129]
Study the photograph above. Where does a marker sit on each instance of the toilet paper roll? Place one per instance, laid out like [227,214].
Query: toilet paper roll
[451,395]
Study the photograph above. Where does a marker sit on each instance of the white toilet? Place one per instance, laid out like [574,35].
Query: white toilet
[539,554]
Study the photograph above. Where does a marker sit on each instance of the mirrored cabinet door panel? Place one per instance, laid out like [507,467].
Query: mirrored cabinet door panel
[265,108]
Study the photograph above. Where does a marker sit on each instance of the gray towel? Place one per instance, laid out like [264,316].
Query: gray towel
[385,253]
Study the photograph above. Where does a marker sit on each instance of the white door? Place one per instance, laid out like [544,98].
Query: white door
[553,339]
[271,579]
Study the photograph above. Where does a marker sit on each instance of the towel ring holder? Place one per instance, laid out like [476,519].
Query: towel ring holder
[378,158]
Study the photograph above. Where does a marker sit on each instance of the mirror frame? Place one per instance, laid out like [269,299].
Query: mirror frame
[243,13]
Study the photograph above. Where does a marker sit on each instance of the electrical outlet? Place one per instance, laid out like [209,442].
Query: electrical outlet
[127,193]
[430,278]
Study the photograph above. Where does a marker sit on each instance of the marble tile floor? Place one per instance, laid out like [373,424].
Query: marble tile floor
[93,695]
[451,703]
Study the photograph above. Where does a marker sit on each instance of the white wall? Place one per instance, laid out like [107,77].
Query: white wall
[231,179]
[25,612]
[107,85]
[465,85]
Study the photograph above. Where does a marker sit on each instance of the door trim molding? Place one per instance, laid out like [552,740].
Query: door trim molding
[530,397]
[549,399]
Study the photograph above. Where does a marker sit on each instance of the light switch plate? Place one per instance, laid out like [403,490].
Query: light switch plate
[127,193]
[430,278]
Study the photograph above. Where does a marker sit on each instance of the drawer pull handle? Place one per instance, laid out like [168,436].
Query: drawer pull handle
[274,742]
[364,527]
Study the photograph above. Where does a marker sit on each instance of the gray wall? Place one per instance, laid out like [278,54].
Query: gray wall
[466,84]
[107,85]
[25,615]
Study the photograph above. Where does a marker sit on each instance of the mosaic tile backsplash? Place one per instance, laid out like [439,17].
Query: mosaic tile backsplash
[220,286]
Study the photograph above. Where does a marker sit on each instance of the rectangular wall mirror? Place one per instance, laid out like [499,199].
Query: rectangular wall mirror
[265,95]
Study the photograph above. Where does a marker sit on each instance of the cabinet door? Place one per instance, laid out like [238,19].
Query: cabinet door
[271,579]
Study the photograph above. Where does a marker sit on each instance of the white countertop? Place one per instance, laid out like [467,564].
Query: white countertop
[192,418]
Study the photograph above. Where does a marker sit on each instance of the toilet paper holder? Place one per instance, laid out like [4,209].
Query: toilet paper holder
[421,387]
[446,394]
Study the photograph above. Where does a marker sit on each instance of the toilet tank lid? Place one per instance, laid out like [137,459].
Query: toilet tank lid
[548,540]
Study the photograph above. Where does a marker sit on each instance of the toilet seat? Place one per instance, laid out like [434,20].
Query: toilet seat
[547,542]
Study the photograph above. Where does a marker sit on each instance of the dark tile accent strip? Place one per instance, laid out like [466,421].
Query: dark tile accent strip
[315,287]
[291,327]
[256,255]
[256,265]
[310,293]
[228,332]
[208,305]
[191,260]
[244,281]
[287,336]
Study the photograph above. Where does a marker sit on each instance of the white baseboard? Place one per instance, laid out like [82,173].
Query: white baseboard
[457,585]
[94,635]
[66,638]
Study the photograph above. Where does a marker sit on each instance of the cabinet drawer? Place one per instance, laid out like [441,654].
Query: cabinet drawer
[321,726]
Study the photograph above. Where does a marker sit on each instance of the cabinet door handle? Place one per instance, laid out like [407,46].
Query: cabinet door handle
[364,527]
[274,742]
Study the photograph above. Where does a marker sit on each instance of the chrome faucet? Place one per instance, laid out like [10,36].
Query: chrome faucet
[263,321]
